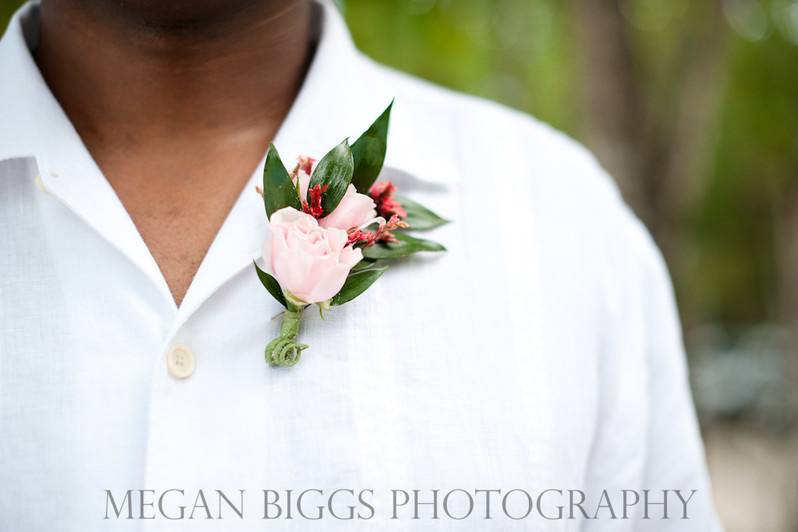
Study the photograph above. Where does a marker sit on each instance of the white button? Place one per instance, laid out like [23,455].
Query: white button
[180,362]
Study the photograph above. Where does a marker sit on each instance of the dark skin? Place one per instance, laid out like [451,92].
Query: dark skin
[176,101]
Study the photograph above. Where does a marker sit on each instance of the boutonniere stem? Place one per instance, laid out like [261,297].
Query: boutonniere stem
[285,350]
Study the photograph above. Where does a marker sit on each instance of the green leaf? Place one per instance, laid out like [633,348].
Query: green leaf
[420,218]
[271,285]
[406,246]
[368,264]
[357,282]
[368,152]
[278,189]
[335,171]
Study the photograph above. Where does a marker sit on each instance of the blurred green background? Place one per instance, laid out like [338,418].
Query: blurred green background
[692,105]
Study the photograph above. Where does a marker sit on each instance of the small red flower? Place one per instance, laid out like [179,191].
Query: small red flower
[314,207]
[383,195]
[359,237]
[365,238]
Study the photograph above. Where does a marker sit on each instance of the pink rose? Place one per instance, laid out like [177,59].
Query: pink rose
[354,210]
[310,262]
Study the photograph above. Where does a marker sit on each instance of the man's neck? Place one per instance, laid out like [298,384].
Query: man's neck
[176,101]
[123,75]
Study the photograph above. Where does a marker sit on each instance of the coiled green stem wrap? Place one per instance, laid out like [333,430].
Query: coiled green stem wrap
[284,350]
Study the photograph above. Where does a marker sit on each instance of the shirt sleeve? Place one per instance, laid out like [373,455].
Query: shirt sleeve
[647,438]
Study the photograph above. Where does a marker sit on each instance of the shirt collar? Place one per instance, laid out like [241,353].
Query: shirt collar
[32,123]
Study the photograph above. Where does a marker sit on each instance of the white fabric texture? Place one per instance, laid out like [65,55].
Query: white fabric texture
[543,351]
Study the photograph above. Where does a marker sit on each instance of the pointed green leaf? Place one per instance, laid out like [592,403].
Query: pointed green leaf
[406,246]
[335,171]
[356,283]
[278,189]
[368,152]
[271,285]
[420,218]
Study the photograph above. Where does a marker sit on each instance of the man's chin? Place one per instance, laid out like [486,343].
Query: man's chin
[182,16]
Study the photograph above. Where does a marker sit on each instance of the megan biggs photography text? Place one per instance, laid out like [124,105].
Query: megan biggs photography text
[414,504]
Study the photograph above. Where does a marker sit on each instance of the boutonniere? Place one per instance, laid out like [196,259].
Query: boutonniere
[334,230]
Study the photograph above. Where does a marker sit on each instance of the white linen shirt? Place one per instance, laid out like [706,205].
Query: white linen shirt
[542,351]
